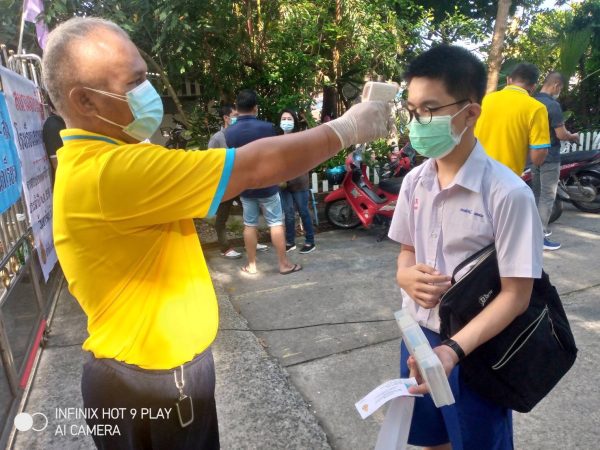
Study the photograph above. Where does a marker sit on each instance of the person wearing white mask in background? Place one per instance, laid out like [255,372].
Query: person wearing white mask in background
[295,193]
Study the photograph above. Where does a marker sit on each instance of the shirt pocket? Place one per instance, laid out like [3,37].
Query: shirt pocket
[468,224]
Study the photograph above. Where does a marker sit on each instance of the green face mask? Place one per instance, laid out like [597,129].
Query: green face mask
[436,139]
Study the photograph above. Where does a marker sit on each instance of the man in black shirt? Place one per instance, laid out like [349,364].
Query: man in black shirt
[51,134]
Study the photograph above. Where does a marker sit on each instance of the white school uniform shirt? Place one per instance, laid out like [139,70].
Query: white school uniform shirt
[486,202]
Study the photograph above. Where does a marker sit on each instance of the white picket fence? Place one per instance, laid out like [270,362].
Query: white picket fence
[587,141]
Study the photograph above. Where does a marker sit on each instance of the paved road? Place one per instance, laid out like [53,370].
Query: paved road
[331,326]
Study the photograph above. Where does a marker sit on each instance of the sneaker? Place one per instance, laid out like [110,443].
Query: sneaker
[290,247]
[307,248]
[262,247]
[548,245]
[547,233]
[231,254]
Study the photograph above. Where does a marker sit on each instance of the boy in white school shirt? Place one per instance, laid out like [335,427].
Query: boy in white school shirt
[451,206]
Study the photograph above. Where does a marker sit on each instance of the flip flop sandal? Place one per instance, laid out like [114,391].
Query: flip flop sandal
[296,268]
[245,270]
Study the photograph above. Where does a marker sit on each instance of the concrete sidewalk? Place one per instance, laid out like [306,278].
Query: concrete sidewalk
[307,346]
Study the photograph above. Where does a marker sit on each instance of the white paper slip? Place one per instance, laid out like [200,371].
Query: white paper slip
[383,393]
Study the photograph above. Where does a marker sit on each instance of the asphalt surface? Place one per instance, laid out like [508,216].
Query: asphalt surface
[295,352]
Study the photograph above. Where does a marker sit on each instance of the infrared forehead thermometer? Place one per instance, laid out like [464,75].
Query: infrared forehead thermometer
[375,91]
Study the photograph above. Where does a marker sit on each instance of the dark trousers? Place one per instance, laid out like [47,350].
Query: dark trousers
[221,222]
[300,200]
[146,395]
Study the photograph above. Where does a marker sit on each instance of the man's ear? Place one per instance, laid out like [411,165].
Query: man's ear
[473,114]
[83,102]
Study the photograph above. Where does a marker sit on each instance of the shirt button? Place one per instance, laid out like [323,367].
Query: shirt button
[433,235]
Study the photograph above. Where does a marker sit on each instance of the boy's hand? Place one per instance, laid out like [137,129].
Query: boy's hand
[423,284]
[448,358]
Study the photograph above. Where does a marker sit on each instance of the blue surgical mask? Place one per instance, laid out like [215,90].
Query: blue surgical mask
[145,105]
[435,139]
[286,125]
[232,121]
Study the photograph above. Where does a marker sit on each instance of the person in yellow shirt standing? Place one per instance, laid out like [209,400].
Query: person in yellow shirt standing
[513,124]
[126,241]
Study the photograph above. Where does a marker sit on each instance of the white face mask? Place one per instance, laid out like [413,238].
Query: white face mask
[287,125]
[145,105]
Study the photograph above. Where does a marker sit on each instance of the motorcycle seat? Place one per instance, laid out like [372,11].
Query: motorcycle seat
[572,157]
[391,185]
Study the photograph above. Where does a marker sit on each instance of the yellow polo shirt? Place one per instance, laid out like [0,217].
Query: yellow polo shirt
[128,247]
[511,123]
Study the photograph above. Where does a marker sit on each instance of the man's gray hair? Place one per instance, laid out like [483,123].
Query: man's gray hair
[553,78]
[59,68]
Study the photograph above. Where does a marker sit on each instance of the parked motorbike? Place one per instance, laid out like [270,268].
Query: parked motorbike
[358,201]
[579,182]
[177,136]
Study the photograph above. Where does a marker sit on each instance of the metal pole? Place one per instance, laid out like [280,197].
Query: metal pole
[20,47]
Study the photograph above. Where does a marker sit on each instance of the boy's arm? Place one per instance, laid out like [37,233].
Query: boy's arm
[511,302]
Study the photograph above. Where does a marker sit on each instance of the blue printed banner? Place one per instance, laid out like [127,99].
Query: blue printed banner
[26,112]
[10,170]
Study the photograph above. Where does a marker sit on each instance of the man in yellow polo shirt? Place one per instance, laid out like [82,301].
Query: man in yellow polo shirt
[513,124]
[126,241]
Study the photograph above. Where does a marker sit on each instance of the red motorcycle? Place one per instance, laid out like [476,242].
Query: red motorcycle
[579,182]
[357,200]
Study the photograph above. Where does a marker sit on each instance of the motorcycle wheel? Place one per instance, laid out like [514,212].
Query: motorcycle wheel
[593,180]
[339,213]
[557,210]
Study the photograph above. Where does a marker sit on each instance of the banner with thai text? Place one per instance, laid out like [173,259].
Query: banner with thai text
[10,168]
[27,117]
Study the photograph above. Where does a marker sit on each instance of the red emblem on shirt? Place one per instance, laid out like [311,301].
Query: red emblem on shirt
[416,204]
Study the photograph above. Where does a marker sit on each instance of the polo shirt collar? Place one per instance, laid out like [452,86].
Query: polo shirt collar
[513,87]
[73,135]
[470,175]
[246,117]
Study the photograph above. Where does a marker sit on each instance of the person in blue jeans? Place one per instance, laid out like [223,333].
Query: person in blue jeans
[295,194]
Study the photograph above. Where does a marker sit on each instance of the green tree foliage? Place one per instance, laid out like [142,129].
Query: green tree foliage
[569,41]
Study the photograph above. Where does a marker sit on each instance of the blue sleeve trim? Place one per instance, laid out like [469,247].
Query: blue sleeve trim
[223,182]
[93,138]
[539,147]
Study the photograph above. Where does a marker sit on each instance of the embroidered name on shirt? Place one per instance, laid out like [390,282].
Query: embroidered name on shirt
[468,211]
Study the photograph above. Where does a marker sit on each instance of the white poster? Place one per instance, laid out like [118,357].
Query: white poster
[27,117]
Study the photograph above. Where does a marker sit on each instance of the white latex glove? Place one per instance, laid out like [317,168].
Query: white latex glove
[363,122]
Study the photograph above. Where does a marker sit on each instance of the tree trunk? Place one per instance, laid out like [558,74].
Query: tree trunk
[495,57]
[167,83]
[330,91]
